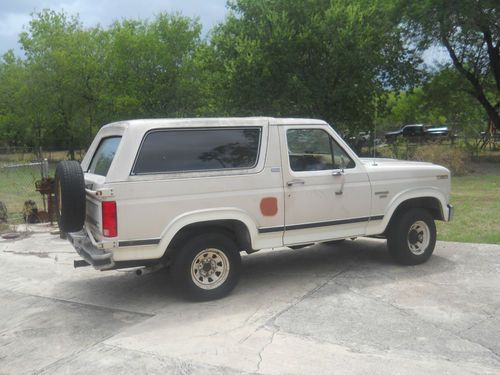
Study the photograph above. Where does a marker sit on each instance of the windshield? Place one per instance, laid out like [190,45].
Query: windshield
[104,155]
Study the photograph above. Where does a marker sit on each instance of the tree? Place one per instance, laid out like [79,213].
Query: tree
[149,67]
[447,101]
[63,76]
[73,78]
[407,107]
[443,99]
[13,131]
[309,58]
[470,32]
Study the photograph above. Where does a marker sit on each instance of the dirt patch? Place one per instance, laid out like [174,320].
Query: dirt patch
[39,254]
[484,168]
[10,236]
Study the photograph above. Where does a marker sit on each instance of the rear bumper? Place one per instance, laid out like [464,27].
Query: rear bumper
[98,258]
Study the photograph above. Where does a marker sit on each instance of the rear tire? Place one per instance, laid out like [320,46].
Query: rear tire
[412,237]
[70,196]
[206,267]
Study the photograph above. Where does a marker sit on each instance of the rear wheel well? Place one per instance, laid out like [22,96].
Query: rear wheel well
[234,229]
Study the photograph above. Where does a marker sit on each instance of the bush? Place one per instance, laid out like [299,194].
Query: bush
[453,157]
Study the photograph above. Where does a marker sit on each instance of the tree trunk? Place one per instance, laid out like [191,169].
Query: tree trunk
[478,93]
[71,148]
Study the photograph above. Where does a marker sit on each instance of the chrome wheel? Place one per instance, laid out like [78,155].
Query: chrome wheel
[210,268]
[418,237]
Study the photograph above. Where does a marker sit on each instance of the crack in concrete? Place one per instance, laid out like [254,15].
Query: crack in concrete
[271,322]
[65,359]
[488,317]
[177,361]
[239,326]
[69,357]
[275,329]
[409,313]
[309,293]
[88,305]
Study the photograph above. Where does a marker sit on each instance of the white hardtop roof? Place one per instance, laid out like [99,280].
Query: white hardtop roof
[211,121]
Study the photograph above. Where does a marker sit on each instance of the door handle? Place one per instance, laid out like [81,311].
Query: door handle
[339,173]
[295,182]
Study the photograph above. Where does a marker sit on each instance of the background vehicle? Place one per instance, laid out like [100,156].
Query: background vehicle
[418,132]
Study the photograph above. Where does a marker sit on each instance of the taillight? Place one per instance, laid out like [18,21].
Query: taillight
[109,223]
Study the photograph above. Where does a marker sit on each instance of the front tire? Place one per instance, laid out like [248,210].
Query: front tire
[207,267]
[412,237]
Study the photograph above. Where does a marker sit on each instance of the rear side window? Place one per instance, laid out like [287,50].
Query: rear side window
[104,155]
[165,151]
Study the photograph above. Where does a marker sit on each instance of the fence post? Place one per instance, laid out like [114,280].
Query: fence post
[45,168]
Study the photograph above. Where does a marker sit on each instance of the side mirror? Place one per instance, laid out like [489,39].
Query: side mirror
[342,163]
[340,170]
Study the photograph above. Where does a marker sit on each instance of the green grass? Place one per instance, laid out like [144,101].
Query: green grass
[477,210]
[17,185]
[476,200]
[28,156]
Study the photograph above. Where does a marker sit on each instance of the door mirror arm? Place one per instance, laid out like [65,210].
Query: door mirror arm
[340,173]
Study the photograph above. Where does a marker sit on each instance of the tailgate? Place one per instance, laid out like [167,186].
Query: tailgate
[93,217]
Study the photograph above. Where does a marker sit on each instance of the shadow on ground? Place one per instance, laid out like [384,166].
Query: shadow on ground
[270,272]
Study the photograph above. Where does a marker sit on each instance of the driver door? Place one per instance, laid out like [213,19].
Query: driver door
[327,190]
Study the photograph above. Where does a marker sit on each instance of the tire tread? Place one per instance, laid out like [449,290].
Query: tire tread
[72,213]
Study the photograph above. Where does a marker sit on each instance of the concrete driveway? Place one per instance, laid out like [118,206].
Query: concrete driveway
[324,309]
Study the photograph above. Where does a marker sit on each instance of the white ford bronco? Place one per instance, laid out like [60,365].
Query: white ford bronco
[192,194]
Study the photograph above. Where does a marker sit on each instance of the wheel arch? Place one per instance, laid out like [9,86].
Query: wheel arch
[233,222]
[432,200]
[431,204]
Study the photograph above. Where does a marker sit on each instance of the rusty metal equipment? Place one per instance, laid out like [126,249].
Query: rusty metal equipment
[45,186]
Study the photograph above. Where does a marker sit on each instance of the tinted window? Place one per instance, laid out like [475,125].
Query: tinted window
[315,150]
[198,150]
[413,130]
[104,156]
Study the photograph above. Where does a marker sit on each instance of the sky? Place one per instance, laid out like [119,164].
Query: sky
[15,14]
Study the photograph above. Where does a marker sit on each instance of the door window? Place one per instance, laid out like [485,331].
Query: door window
[315,150]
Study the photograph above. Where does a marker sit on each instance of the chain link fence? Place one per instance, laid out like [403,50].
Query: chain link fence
[20,202]
[26,176]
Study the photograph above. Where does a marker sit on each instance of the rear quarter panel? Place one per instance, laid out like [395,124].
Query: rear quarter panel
[153,207]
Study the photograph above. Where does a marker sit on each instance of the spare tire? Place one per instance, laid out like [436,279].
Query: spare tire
[70,196]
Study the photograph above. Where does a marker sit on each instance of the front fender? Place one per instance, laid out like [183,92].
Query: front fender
[405,195]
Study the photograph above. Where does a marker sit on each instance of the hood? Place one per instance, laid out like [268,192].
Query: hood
[441,129]
[389,162]
[395,132]
[380,169]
